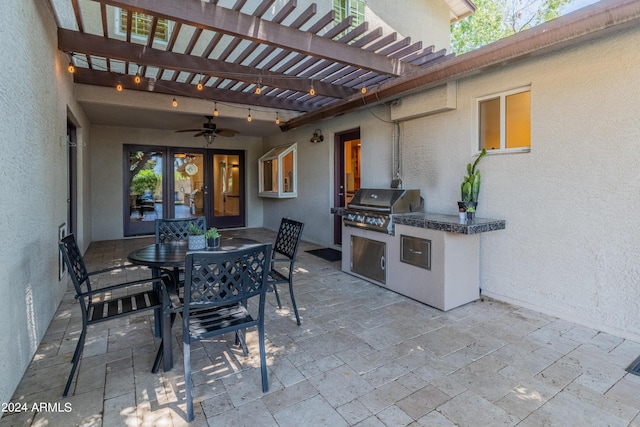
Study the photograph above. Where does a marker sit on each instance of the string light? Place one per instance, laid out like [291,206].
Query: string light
[215,109]
[259,86]
[363,90]
[137,79]
[174,103]
[249,116]
[277,118]
[312,91]
[71,68]
[200,86]
[119,87]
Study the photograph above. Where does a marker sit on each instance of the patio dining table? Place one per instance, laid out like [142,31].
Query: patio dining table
[170,257]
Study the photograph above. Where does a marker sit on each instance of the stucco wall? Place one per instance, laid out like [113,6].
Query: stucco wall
[571,243]
[106,172]
[35,92]
[316,169]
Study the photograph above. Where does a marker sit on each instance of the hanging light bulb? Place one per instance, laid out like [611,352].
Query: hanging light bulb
[249,116]
[71,68]
[174,103]
[277,118]
[312,91]
[119,87]
[258,90]
[137,79]
[200,86]
[363,90]
[215,109]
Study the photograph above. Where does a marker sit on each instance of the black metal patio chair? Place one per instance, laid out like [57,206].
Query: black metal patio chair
[285,250]
[177,230]
[102,304]
[219,287]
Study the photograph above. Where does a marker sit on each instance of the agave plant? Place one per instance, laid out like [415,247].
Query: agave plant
[470,187]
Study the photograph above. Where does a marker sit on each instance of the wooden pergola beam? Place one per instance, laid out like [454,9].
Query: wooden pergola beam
[73,41]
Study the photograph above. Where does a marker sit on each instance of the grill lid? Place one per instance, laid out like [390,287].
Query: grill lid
[385,199]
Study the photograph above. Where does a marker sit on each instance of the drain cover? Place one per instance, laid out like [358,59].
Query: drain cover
[634,368]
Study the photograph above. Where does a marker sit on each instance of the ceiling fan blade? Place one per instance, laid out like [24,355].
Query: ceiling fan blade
[226,132]
[200,133]
[189,130]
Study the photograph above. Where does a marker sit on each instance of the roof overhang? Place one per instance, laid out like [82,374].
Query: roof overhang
[585,24]
[460,9]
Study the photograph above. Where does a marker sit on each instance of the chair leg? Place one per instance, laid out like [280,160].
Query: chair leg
[275,291]
[75,360]
[293,302]
[263,359]
[240,341]
[187,379]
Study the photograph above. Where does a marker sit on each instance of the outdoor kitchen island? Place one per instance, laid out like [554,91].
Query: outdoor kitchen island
[432,258]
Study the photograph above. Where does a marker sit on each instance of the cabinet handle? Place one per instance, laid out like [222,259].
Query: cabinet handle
[382,262]
[415,252]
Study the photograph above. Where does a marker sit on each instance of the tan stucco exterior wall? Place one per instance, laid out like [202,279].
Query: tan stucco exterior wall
[36,95]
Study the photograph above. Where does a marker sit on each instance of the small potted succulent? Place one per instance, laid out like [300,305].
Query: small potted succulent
[196,238]
[213,238]
[471,212]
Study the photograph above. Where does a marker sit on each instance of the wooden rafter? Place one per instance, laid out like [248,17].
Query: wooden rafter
[236,24]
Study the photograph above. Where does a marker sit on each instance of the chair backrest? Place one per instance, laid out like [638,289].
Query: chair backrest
[75,264]
[177,229]
[289,237]
[218,278]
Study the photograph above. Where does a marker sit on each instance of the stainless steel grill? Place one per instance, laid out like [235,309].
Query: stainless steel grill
[372,208]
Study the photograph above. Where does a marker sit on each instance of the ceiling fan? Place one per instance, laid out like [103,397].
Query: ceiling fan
[209,130]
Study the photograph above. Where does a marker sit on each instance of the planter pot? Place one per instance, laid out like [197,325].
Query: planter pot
[471,215]
[197,242]
[462,206]
[463,216]
[213,243]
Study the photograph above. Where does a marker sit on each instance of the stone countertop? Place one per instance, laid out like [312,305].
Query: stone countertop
[449,223]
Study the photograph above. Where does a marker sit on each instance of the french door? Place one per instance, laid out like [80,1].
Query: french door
[172,182]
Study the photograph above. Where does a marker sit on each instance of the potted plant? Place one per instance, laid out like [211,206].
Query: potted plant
[470,187]
[196,238]
[213,237]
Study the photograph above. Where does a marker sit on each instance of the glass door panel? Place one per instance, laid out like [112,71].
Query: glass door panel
[227,195]
[188,184]
[144,190]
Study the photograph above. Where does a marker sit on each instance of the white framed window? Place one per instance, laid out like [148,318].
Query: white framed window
[503,121]
[141,25]
[278,172]
[346,8]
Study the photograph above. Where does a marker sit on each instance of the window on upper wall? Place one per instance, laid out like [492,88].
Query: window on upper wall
[141,25]
[346,8]
[504,121]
